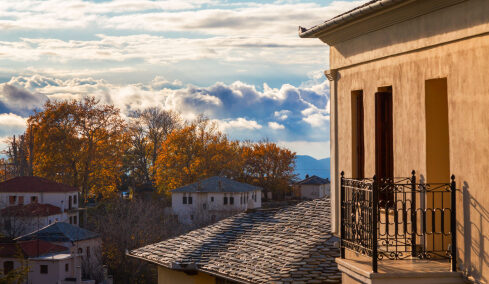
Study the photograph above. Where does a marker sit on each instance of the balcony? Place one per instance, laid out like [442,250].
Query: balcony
[397,228]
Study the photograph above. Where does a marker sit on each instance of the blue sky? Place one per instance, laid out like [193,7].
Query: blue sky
[240,63]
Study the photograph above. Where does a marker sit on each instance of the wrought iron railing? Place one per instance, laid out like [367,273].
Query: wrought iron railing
[398,218]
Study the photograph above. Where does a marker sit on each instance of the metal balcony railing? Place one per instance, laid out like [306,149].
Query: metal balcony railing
[398,218]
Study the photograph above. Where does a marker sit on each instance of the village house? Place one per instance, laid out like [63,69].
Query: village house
[409,109]
[22,191]
[291,244]
[311,187]
[213,198]
[19,220]
[79,241]
[46,262]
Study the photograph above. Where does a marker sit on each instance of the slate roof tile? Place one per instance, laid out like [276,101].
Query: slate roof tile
[282,245]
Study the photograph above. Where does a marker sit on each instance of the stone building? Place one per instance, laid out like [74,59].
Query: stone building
[212,199]
[291,244]
[408,92]
[311,187]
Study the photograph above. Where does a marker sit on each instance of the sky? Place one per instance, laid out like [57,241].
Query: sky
[240,63]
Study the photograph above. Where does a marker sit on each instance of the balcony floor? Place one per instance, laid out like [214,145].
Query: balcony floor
[359,270]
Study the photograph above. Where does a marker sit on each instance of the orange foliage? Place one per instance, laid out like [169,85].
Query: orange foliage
[79,143]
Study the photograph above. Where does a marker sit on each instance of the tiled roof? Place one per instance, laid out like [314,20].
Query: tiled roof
[60,232]
[286,245]
[29,248]
[31,209]
[34,184]
[349,16]
[313,180]
[217,184]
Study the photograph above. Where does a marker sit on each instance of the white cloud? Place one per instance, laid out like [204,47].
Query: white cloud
[275,125]
[318,150]
[240,122]
[317,120]
[282,114]
[11,124]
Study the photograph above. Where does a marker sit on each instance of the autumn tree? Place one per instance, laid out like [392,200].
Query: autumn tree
[195,152]
[269,166]
[80,143]
[148,129]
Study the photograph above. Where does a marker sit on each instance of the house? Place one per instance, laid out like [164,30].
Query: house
[291,244]
[86,244]
[19,220]
[213,198]
[311,187]
[47,262]
[409,109]
[25,190]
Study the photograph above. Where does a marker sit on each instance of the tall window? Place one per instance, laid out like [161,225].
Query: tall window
[184,200]
[231,200]
[21,200]
[7,267]
[384,145]
[358,148]
[190,200]
[12,199]
[225,200]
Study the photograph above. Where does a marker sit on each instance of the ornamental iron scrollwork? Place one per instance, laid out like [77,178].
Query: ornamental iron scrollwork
[398,218]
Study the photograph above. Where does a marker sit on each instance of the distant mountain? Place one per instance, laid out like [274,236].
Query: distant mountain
[308,165]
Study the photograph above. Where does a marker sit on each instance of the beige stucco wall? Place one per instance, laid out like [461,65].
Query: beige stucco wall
[403,56]
[168,276]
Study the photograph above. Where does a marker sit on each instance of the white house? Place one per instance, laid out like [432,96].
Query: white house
[213,198]
[22,219]
[47,262]
[84,243]
[20,191]
[312,187]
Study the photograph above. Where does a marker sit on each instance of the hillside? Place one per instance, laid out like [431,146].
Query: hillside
[308,165]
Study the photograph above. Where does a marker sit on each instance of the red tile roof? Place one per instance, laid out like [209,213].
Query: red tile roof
[31,209]
[30,248]
[34,184]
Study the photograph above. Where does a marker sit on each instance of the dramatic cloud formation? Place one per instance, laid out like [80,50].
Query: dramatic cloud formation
[240,62]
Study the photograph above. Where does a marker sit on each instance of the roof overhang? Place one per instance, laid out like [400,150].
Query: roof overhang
[372,17]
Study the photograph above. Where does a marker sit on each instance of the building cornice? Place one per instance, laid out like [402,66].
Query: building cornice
[373,17]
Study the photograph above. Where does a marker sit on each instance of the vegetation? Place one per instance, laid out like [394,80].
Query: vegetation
[89,145]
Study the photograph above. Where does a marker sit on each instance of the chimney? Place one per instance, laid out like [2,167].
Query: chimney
[307,175]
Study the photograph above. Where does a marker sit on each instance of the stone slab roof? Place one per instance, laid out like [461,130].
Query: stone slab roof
[34,184]
[29,248]
[30,210]
[286,245]
[59,232]
[313,180]
[217,184]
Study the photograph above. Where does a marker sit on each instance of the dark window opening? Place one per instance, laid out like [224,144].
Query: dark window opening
[358,148]
[67,267]
[12,199]
[21,200]
[33,199]
[44,269]
[185,200]
[231,200]
[212,198]
[384,146]
[7,267]
[225,200]
[190,200]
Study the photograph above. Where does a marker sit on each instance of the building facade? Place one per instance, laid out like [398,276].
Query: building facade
[408,93]
[212,199]
[311,187]
[23,191]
